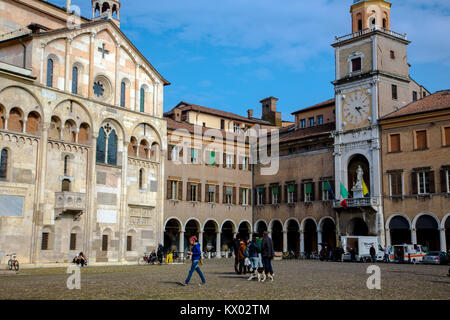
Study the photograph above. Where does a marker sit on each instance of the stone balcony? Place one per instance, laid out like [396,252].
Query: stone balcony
[358,203]
[71,203]
[370,30]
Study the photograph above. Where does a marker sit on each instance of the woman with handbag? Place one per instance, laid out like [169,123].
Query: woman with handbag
[196,258]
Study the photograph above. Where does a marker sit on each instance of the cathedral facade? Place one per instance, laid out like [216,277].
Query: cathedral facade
[82,137]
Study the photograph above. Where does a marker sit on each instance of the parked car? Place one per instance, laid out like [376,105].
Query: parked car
[436,257]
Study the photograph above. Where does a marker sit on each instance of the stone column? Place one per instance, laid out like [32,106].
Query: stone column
[123,206]
[443,240]
[413,236]
[117,75]
[388,238]
[90,197]
[67,66]
[200,240]
[285,241]
[218,245]
[43,45]
[24,129]
[136,89]
[91,65]
[181,240]
[234,237]
[319,240]
[302,241]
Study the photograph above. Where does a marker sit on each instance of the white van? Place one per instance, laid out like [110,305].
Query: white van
[409,253]
[362,247]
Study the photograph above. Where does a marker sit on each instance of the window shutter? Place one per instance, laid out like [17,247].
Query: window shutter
[217,194]
[224,194]
[302,195]
[169,152]
[206,192]
[169,189]
[249,197]
[296,192]
[234,195]
[313,191]
[234,161]
[414,183]
[241,195]
[224,160]
[188,192]
[270,194]
[199,192]
[432,182]
[180,190]
[241,163]
[264,196]
[286,197]
[447,136]
[443,181]
[73,241]
[421,139]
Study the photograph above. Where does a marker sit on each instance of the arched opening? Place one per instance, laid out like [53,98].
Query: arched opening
[293,236]
[261,227]
[141,179]
[55,129]
[329,233]
[50,72]
[101,146]
[277,236]
[358,227]
[33,123]
[356,162]
[114,12]
[132,147]
[310,237]
[172,235]
[210,236]
[83,134]
[244,230]
[65,185]
[69,132]
[227,236]
[123,88]
[15,121]
[142,97]
[74,237]
[192,229]
[75,80]
[97,10]
[2,117]
[143,149]
[447,232]
[4,164]
[154,152]
[372,22]
[105,7]
[112,148]
[399,230]
[66,165]
[427,231]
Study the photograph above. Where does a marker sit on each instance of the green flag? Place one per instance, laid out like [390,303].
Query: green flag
[344,192]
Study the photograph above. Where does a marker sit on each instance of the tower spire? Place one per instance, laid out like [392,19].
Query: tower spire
[106,9]
[370,14]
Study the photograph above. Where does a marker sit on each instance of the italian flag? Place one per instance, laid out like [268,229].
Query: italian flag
[344,196]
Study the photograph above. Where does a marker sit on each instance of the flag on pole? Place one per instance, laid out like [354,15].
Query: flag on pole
[365,190]
[327,187]
[344,196]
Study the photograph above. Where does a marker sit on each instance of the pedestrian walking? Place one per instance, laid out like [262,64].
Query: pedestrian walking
[196,256]
[241,258]
[267,255]
[236,245]
[253,251]
[386,254]
[373,254]
[160,253]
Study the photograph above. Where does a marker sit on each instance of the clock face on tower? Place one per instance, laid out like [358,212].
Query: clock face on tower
[356,107]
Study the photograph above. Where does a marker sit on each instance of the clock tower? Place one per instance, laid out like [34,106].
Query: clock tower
[372,79]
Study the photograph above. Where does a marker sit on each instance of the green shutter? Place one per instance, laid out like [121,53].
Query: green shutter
[275,190]
[326,185]
[308,188]
[291,188]
[212,158]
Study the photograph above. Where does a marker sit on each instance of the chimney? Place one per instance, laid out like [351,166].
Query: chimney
[250,113]
[68,6]
[177,114]
[269,111]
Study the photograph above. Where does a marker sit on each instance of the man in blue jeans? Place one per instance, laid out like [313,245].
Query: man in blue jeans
[196,255]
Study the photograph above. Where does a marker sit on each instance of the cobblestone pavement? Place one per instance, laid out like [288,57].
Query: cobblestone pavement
[294,279]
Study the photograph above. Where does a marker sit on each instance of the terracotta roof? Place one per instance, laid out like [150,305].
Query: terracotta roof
[175,125]
[185,106]
[291,134]
[317,106]
[437,101]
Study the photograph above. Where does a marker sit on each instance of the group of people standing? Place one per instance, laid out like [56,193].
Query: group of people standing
[254,256]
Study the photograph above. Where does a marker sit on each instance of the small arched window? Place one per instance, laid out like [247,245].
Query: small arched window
[4,164]
[142,99]
[101,146]
[112,148]
[66,165]
[49,73]
[65,187]
[75,80]
[107,142]
[141,179]
[123,88]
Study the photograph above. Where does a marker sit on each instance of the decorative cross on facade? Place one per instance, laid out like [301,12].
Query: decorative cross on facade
[103,50]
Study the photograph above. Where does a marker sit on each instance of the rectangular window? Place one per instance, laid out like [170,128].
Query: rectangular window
[175,153]
[447,136]
[44,244]
[194,192]
[105,242]
[326,191]
[212,158]
[320,120]
[291,193]
[260,197]
[229,161]
[359,25]
[394,92]
[228,195]
[356,64]
[311,122]
[447,179]
[423,182]
[302,123]
[394,143]
[421,140]
[396,182]
[222,124]
[392,54]
[244,194]
[275,194]
[194,156]
[414,95]
[174,195]
[129,243]
[308,192]
[211,194]
[73,241]
[244,163]
[236,127]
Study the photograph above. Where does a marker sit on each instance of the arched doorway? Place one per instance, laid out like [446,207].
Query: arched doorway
[427,231]
[400,230]
[352,172]
[227,236]
[244,230]
[310,230]
[358,227]
[293,236]
[329,233]
[447,233]
[192,229]
[277,236]
[172,235]
[210,236]
[261,226]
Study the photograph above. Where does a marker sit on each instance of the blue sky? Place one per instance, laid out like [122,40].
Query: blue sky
[230,54]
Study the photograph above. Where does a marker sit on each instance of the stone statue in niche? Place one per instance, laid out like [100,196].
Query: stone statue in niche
[358,187]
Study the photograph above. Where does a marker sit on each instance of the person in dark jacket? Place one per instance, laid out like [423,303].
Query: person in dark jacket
[160,253]
[236,245]
[196,255]
[373,254]
[267,255]
[241,258]
[253,252]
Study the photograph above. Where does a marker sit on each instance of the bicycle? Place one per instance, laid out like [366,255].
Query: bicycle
[13,262]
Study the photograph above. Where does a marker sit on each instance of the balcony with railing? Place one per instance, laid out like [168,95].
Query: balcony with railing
[370,30]
[358,203]
[71,203]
